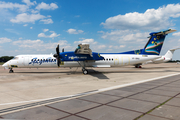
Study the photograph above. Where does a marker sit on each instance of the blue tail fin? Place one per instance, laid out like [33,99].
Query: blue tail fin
[155,43]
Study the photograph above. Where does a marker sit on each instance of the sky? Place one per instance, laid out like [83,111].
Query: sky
[37,26]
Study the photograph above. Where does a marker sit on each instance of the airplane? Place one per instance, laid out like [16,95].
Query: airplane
[165,58]
[84,57]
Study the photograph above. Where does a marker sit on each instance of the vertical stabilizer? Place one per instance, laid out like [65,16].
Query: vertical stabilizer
[170,53]
[155,43]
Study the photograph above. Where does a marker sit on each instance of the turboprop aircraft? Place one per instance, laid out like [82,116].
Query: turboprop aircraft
[165,58]
[84,57]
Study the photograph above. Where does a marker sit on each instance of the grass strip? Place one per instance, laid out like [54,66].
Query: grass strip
[1,63]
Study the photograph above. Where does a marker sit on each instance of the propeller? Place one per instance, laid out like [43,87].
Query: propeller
[63,50]
[57,56]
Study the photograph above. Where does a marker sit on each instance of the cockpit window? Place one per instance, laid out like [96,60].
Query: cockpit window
[15,58]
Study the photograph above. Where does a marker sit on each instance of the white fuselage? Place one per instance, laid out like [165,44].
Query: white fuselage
[46,61]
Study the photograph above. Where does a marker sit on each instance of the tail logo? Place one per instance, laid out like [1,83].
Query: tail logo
[137,52]
[155,45]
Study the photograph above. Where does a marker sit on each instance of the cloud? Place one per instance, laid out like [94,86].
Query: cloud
[12,31]
[25,10]
[47,21]
[74,31]
[28,2]
[176,34]
[45,30]
[45,6]
[31,27]
[28,43]
[39,45]
[12,6]
[101,47]
[34,11]
[4,40]
[124,35]
[53,35]
[24,18]
[85,41]
[151,19]
[41,35]
[122,46]
[25,25]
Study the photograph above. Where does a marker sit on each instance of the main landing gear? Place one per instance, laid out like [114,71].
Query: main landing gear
[11,71]
[84,71]
[138,66]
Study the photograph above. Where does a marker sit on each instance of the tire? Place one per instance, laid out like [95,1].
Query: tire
[85,72]
[11,71]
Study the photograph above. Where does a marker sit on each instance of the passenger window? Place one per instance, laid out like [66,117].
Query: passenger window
[107,59]
[112,59]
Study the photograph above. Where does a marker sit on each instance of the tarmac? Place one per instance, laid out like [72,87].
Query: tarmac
[150,93]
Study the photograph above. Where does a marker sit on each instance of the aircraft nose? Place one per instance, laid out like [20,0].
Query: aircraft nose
[4,65]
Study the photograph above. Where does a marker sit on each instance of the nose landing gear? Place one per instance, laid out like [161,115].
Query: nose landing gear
[11,71]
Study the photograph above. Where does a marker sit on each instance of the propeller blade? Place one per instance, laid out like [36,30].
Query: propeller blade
[58,61]
[57,49]
[57,56]
[63,50]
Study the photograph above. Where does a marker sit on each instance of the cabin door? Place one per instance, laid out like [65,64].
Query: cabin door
[116,60]
[125,60]
[26,61]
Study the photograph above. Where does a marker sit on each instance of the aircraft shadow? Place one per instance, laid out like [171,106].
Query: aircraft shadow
[97,74]
[91,72]
[94,72]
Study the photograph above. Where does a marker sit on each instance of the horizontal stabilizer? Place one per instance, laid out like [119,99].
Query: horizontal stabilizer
[163,32]
[174,49]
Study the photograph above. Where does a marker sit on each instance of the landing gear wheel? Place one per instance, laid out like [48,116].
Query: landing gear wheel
[11,71]
[138,66]
[85,71]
